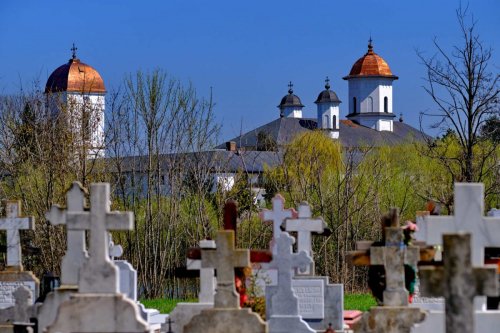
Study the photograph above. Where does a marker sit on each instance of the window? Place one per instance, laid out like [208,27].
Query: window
[334,122]
[386,104]
[369,104]
[354,105]
[326,123]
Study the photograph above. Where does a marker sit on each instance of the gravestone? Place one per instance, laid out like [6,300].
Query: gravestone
[395,316]
[468,217]
[305,225]
[14,276]
[320,303]
[277,216]
[98,306]
[458,282]
[184,312]
[226,316]
[283,313]
[73,259]
[22,310]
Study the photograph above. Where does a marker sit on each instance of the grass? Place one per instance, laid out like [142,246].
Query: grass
[164,305]
[361,302]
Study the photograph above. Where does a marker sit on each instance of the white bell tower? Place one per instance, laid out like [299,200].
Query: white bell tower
[328,111]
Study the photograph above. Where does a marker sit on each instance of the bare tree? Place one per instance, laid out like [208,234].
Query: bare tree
[465,90]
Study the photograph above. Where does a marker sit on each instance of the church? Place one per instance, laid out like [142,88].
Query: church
[370,121]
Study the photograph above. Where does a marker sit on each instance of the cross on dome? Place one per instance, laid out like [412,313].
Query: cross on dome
[290,87]
[73,50]
[327,83]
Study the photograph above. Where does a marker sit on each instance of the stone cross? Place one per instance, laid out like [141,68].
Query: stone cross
[22,309]
[224,260]
[394,255]
[98,274]
[469,210]
[304,225]
[284,302]
[76,252]
[458,282]
[277,215]
[207,279]
[12,223]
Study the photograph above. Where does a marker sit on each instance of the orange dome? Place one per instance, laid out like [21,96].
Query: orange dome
[75,76]
[371,64]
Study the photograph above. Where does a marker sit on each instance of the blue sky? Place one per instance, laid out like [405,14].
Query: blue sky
[246,50]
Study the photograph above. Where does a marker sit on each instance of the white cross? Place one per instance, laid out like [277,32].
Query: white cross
[207,279]
[304,225]
[115,251]
[76,252]
[277,215]
[469,210]
[99,274]
[12,223]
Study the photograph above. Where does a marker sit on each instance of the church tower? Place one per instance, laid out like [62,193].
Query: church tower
[328,111]
[290,105]
[79,89]
[370,92]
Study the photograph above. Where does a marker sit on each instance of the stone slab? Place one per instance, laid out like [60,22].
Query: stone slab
[389,319]
[287,324]
[11,280]
[226,321]
[484,321]
[333,304]
[127,279]
[311,296]
[98,313]
[47,311]
[183,313]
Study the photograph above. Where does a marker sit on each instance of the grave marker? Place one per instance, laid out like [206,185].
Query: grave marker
[277,215]
[305,225]
[458,282]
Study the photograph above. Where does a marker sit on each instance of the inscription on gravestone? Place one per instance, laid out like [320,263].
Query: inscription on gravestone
[310,294]
[8,288]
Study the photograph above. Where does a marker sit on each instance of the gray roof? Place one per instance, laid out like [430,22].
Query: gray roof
[282,131]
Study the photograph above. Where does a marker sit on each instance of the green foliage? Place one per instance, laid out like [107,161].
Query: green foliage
[361,302]
[164,305]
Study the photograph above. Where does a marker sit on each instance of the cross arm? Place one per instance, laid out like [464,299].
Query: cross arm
[120,221]
[56,215]
[302,260]
[486,281]
[432,281]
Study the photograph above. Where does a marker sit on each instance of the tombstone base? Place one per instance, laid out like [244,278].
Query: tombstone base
[98,313]
[226,320]
[434,322]
[287,324]
[183,313]
[389,319]
[10,280]
[47,311]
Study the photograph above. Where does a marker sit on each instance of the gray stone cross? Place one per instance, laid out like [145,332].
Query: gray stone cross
[394,255]
[225,259]
[22,309]
[304,225]
[98,274]
[458,282]
[76,252]
[207,278]
[12,223]
[469,210]
[277,215]
[284,302]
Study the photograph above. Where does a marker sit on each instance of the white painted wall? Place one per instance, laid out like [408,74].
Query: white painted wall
[292,112]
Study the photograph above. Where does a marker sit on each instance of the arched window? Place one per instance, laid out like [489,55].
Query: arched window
[326,123]
[334,122]
[354,106]
[369,104]
[386,104]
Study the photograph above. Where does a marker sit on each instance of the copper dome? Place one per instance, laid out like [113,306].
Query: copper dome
[371,64]
[75,76]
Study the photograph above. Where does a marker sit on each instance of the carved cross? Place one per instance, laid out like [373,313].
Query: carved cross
[76,252]
[394,255]
[225,259]
[285,261]
[277,216]
[458,282]
[12,223]
[305,225]
[98,273]
[207,279]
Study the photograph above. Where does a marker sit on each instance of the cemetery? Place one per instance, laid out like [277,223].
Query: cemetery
[97,291]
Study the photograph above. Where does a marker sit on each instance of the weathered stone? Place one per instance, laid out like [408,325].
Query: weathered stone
[277,216]
[394,255]
[393,319]
[284,310]
[22,311]
[12,223]
[225,321]
[11,280]
[305,225]
[458,283]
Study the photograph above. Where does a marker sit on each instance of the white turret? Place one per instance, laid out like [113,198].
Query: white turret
[290,105]
[328,111]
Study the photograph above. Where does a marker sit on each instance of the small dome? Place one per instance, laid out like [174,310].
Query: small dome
[75,76]
[290,99]
[371,64]
[327,95]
